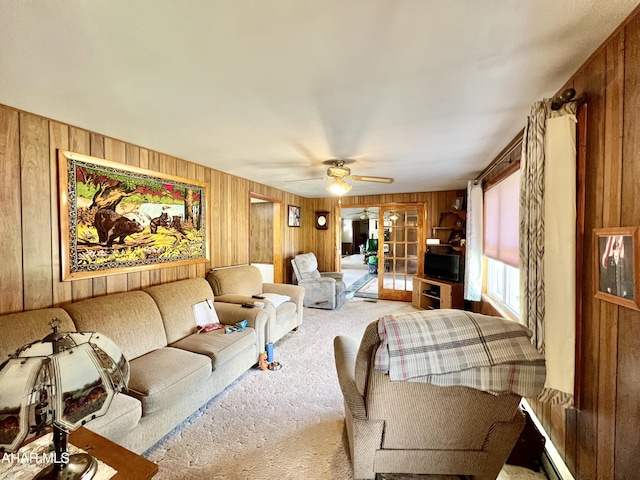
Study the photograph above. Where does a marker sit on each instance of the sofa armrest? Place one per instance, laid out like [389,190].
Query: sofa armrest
[318,291]
[345,350]
[334,275]
[231,313]
[295,292]
[502,438]
[235,298]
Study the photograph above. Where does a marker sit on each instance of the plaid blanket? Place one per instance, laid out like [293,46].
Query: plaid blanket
[454,347]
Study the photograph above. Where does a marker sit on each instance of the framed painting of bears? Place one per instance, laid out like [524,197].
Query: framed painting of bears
[115,218]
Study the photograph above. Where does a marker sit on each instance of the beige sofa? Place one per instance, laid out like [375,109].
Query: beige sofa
[173,370]
[239,284]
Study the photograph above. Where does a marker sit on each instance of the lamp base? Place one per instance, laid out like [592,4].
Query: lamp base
[81,466]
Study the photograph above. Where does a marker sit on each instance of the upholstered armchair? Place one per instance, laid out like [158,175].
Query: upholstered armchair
[322,289]
[283,303]
[420,428]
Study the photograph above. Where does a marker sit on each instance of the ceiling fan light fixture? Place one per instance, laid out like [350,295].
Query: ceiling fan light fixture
[339,187]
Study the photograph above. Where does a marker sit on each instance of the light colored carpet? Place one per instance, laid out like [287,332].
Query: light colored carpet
[285,424]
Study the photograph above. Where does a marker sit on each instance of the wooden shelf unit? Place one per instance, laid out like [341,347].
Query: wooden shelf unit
[432,293]
[446,228]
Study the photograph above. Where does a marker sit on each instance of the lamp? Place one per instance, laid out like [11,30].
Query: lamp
[63,381]
[339,187]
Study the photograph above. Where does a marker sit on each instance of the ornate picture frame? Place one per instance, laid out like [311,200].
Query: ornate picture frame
[617,265]
[294,216]
[115,218]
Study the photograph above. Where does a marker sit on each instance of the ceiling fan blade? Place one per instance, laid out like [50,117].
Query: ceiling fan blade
[363,178]
[305,179]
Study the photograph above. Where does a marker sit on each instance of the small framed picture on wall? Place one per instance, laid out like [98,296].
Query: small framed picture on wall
[617,265]
[457,204]
[294,216]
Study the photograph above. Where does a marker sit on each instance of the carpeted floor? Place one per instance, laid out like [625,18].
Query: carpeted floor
[286,424]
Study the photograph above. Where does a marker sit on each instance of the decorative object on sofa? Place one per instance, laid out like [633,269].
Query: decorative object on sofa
[62,381]
[322,222]
[617,258]
[294,216]
[448,421]
[116,218]
[322,290]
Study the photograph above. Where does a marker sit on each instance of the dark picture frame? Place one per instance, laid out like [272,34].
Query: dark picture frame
[116,218]
[617,265]
[293,216]
[458,204]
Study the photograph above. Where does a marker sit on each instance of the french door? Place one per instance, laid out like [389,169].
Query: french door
[399,250]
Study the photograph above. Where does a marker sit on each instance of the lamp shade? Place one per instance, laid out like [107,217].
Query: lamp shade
[64,380]
[339,187]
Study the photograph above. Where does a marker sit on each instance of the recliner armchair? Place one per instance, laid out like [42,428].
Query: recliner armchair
[239,284]
[420,428]
[322,289]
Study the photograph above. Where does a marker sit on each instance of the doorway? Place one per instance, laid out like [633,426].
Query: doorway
[359,225]
[265,237]
[392,250]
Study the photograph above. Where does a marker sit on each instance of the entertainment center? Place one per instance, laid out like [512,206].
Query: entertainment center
[431,293]
[441,284]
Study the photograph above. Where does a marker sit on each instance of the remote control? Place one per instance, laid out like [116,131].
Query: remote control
[257,296]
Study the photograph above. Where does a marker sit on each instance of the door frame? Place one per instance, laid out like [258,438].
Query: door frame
[421,208]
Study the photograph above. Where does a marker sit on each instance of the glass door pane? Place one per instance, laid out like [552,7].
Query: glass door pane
[399,251]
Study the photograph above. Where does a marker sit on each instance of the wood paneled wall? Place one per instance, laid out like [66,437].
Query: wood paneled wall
[600,440]
[30,243]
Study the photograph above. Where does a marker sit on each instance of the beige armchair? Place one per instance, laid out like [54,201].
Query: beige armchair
[322,289]
[240,284]
[420,428]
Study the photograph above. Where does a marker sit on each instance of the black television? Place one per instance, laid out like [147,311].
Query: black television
[443,266]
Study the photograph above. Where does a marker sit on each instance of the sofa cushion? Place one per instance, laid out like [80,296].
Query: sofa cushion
[159,377]
[132,320]
[19,329]
[123,415]
[175,301]
[220,347]
[244,280]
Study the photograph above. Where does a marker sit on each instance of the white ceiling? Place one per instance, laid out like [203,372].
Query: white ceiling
[426,91]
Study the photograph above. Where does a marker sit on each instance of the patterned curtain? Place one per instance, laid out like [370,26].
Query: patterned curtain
[532,236]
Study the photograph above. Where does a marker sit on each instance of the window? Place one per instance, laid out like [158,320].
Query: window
[503,285]
[501,244]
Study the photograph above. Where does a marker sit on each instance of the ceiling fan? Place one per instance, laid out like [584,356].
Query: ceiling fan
[338,172]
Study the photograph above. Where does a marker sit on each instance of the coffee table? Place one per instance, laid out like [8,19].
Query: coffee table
[129,465]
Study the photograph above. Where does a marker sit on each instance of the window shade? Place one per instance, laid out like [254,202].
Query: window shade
[501,220]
